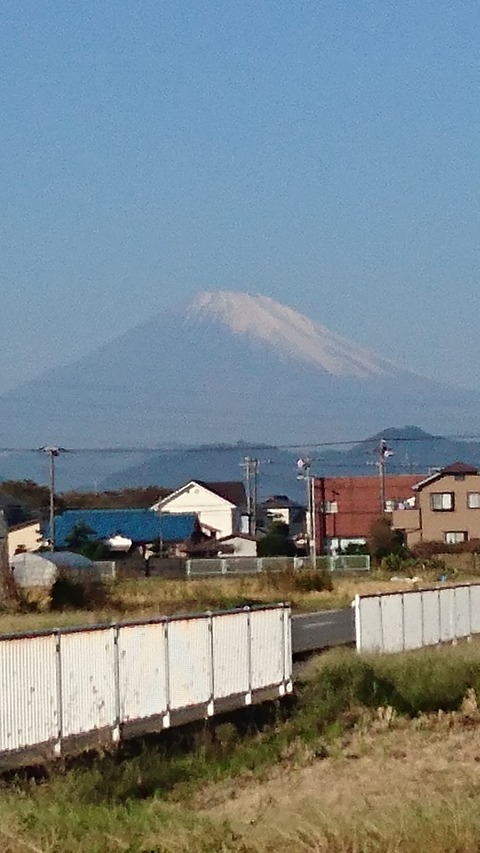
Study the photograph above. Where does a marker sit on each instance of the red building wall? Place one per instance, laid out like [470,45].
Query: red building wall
[358,503]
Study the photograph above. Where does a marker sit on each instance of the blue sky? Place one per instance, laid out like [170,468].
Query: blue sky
[322,152]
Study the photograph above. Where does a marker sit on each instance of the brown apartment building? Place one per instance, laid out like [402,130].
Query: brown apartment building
[446,509]
[346,507]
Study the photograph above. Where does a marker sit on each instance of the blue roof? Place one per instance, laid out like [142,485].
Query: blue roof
[140,525]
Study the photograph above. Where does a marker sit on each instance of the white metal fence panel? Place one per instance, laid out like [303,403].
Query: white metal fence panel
[72,683]
[267,648]
[189,656]
[368,624]
[28,691]
[231,657]
[447,614]
[88,680]
[142,671]
[392,622]
[412,620]
[427,617]
[431,616]
[475,608]
[462,625]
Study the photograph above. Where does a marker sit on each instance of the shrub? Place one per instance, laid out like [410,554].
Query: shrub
[68,592]
[312,581]
[431,548]
[383,540]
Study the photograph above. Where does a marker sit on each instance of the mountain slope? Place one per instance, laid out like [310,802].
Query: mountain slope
[225,367]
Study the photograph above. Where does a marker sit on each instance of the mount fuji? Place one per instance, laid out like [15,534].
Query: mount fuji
[225,367]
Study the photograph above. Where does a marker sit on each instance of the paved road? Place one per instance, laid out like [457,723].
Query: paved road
[323,629]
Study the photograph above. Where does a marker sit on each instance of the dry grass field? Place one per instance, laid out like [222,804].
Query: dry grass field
[152,597]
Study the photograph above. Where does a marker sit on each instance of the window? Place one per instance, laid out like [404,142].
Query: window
[442,501]
[453,536]
[459,477]
[473,500]
[330,507]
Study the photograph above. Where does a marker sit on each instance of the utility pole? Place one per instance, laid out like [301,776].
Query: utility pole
[53,452]
[255,464]
[384,452]
[250,467]
[304,465]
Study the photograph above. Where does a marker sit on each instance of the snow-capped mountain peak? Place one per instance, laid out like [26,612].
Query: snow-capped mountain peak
[286,331]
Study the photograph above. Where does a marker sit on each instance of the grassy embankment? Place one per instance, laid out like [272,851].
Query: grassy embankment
[359,760]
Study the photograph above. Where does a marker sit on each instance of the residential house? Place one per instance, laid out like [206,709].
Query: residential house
[282,508]
[24,537]
[346,507]
[23,527]
[446,508]
[220,507]
[237,545]
[130,529]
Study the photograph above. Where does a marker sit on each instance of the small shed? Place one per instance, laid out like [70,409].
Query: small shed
[237,545]
[42,568]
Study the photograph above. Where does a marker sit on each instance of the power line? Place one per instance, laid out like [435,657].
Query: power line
[243,447]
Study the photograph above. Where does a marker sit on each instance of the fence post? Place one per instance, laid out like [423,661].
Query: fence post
[358,622]
[116,681]
[248,697]
[188,568]
[166,717]
[259,565]
[283,685]
[58,667]
[211,704]
[224,566]
[469,638]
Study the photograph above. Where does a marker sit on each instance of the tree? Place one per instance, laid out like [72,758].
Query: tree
[79,539]
[277,542]
[30,495]
[140,498]
[383,540]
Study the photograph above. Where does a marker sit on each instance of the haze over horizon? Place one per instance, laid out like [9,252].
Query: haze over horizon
[325,155]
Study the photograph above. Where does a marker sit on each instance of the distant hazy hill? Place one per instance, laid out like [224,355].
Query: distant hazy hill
[220,368]
[277,470]
[414,451]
